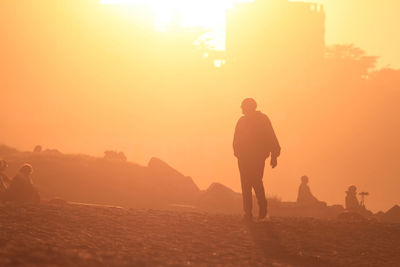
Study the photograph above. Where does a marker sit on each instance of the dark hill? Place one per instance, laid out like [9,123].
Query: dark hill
[81,178]
[392,215]
[114,181]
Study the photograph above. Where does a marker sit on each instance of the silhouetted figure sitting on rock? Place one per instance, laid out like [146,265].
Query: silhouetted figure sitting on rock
[21,189]
[305,197]
[352,203]
[4,180]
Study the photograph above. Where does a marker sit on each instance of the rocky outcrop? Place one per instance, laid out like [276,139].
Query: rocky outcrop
[392,215]
[81,178]
[219,198]
[179,188]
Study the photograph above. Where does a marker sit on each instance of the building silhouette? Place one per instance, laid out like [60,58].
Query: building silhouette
[275,32]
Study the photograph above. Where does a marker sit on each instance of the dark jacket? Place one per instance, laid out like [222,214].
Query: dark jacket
[255,138]
[22,190]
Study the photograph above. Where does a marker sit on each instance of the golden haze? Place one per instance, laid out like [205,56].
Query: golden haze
[83,78]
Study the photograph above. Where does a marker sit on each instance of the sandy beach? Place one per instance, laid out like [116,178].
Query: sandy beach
[84,235]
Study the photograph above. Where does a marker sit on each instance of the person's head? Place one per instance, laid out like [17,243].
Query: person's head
[3,165]
[304,179]
[249,105]
[26,169]
[352,190]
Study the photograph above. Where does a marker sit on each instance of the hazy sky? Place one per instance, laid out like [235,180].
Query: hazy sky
[68,81]
[369,24]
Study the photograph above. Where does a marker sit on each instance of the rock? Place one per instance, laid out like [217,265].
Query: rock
[38,149]
[335,210]
[82,178]
[180,189]
[219,198]
[114,155]
[160,166]
[351,217]
[392,215]
[52,152]
[58,201]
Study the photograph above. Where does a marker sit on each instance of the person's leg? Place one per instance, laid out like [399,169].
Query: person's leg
[262,201]
[246,188]
[257,183]
[247,197]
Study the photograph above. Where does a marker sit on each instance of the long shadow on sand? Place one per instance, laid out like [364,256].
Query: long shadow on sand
[268,238]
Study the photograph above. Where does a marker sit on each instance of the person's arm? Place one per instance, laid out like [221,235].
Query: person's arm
[275,147]
[236,138]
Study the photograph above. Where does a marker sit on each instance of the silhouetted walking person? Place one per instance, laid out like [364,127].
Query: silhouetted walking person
[254,141]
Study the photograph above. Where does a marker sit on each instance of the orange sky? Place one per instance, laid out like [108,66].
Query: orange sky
[369,24]
[68,81]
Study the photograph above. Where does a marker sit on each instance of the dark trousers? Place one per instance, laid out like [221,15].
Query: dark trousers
[251,174]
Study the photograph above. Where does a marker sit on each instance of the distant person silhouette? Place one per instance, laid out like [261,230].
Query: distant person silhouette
[4,180]
[305,197]
[254,141]
[352,203]
[21,189]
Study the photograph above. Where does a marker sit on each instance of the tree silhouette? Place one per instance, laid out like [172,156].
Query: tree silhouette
[385,79]
[349,61]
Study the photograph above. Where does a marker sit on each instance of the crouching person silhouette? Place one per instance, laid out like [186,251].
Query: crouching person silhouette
[254,141]
[21,189]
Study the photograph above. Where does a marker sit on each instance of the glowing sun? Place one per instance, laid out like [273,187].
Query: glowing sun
[208,14]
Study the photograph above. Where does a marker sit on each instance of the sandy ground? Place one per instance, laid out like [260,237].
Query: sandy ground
[81,235]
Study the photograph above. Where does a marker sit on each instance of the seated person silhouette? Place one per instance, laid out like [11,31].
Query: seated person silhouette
[21,189]
[305,197]
[4,180]
[352,203]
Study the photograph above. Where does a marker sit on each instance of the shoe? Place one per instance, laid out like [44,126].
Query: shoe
[265,219]
[262,213]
